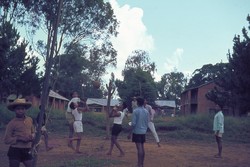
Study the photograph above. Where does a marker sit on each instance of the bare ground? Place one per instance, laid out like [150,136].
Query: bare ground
[170,154]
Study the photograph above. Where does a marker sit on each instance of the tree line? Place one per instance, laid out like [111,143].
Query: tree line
[82,51]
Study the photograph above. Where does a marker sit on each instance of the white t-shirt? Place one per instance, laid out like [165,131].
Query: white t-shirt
[150,111]
[77,115]
[118,120]
[152,114]
[74,100]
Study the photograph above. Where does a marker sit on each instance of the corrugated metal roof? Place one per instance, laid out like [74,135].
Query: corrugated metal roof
[165,103]
[102,102]
[56,95]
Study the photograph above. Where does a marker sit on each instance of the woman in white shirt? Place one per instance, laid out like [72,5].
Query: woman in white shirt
[118,114]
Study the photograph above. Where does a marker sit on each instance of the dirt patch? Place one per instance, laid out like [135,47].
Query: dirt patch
[170,154]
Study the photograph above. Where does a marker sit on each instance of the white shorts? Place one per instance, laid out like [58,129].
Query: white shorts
[78,126]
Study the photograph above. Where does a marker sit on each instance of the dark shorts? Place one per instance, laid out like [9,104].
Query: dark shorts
[116,129]
[139,138]
[20,154]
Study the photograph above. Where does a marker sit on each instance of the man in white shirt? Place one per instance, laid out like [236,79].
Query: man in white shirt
[218,128]
[151,125]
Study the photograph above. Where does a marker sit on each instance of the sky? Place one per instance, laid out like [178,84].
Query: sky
[179,35]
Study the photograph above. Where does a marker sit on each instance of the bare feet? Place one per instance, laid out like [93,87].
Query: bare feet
[70,145]
[217,156]
[78,152]
[121,155]
[49,148]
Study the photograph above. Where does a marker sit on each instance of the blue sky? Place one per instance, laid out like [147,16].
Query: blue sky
[178,34]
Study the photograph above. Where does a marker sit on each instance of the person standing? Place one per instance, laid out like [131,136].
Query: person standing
[151,124]
[19,134]
[77,110]
[134,103]
[139,126]
[70,117]
[218,128]
[118,115]
[44,131]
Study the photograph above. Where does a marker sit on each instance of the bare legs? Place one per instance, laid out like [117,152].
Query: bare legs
[78,143]
[71,134]
[140,154]
[16,163]
[46,140]
[219,144]
[115,142]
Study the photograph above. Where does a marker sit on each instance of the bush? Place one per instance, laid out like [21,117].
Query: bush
[192,127]
[200,127]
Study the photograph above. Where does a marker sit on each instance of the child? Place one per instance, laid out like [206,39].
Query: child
[44,131]
[117,128]
[20,134]
[78,126]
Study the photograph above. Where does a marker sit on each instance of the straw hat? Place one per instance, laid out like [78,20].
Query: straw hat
[19,102]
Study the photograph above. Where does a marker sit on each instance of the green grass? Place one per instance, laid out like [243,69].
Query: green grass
[199,127]
[193,127]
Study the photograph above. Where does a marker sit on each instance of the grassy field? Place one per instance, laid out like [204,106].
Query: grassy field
[183,139]
[193,127]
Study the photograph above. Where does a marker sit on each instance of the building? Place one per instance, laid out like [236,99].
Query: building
[194,100]
[99,105]
[165,107]
[56,101]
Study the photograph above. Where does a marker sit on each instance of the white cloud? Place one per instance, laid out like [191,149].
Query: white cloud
[132,34]
[173,62]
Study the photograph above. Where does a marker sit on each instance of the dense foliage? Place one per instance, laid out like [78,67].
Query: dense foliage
[138,79]
[171,86]
[18,67]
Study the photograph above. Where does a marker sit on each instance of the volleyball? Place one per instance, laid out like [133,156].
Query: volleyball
[96,84]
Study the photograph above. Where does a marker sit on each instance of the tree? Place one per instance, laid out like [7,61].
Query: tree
[219,96]
[171,86]
[140,60]
[138,80]
[72,75]
[90,23]
[17,67]
[206,74]
[237,80]
[111,89]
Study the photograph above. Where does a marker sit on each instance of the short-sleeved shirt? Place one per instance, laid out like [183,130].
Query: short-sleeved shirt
[150,111]
[219,122]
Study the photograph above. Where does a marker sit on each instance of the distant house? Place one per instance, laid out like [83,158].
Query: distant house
[56,101]
[194,100]
[164,107]
[165,103]
[100,105]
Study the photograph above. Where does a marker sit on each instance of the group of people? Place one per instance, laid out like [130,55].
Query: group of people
[142,119]
[20,131]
